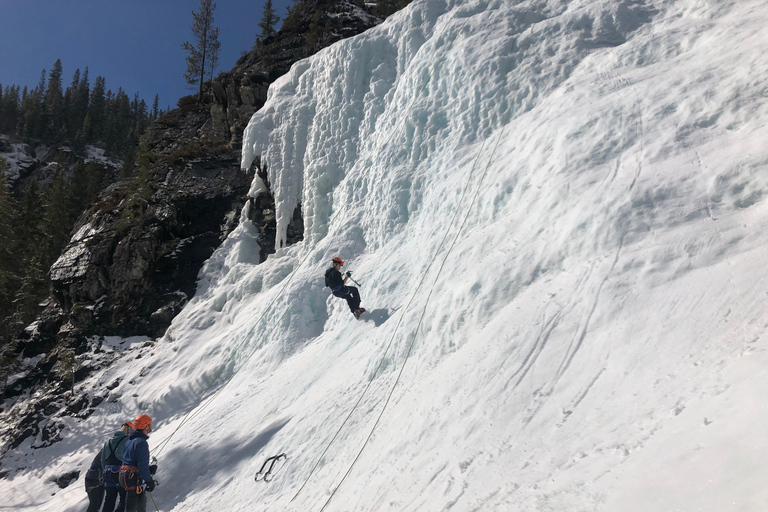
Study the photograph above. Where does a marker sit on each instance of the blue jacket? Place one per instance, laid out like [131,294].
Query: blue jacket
[136,453]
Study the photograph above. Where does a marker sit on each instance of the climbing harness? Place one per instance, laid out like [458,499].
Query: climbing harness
[264,475]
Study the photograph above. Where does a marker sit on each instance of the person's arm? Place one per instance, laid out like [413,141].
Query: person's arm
[104,455]
[143,461]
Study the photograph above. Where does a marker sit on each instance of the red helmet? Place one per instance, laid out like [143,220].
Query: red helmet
[142,421]
[338,260]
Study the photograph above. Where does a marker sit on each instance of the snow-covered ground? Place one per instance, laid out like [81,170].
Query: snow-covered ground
[557,212]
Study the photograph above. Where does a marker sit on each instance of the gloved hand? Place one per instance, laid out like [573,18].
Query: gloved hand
[151,486]
[349,274]
[152,469]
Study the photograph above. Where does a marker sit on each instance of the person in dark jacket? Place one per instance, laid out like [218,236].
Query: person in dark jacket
[93,485]
[111,460]
[135,475]
[338,285]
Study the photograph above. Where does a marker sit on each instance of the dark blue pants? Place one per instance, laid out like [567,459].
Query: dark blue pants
[351,295]
[135,502]
[95,497]
[111,497]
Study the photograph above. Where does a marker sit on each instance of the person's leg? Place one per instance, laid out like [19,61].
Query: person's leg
[131,501]
[142,502]
[345,294]
[121,505]
[95,497]
[109,500]
[354,302]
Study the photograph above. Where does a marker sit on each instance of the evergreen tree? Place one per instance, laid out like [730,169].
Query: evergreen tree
[203,55]
[32,285]
[313,37]
[8,260]
[87,182]
[129,163]
[29,218]
[9,109]
[156,107]
[53,104]
[72,119]
[82,98]
[97,111]
[268,21]
[58,213]
[33,113]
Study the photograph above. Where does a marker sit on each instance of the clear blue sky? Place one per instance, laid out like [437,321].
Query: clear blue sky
[133,44]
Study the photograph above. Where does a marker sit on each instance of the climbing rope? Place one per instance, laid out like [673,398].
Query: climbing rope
[190,415]
[397,327]
[418,327]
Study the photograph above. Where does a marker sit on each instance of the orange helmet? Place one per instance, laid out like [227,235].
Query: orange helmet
[130,425]
[142,421]
[338,260]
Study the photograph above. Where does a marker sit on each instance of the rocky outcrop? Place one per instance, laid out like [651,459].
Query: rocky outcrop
[41,162]
[133,261]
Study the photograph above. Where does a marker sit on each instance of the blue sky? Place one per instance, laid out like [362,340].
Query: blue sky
[133,44]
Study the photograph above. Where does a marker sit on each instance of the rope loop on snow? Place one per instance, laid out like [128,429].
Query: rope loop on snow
[265,475]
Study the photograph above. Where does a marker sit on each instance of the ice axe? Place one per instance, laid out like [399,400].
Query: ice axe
[349,275]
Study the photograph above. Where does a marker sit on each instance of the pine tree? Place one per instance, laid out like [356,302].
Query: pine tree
[82,98]
[53,104]
[32,284]
[34,121]
[203,55]
[60,210]
[72,119]
[156,107]
[97,111]
[9,109]
[8,260]
[312,39]
[268,21]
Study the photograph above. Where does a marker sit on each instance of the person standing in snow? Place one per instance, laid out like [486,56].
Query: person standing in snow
[338,285]
[94,485]
[135,474]
[111,460]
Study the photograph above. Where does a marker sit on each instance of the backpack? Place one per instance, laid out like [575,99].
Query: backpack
[93,477]
[328,277]
[112,468]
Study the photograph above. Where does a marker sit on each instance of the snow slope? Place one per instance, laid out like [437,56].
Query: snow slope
[557,211]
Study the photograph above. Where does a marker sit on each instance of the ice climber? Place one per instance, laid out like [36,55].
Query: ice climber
[135,473]
[111,460]
[94,485]
[337,283]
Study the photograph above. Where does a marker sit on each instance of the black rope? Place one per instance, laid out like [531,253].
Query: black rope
[418,327]
[271,461]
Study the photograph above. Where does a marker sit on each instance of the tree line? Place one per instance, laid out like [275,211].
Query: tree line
[35,224]
[80,114]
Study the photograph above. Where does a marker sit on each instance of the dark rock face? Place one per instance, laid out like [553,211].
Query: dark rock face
[129,272]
